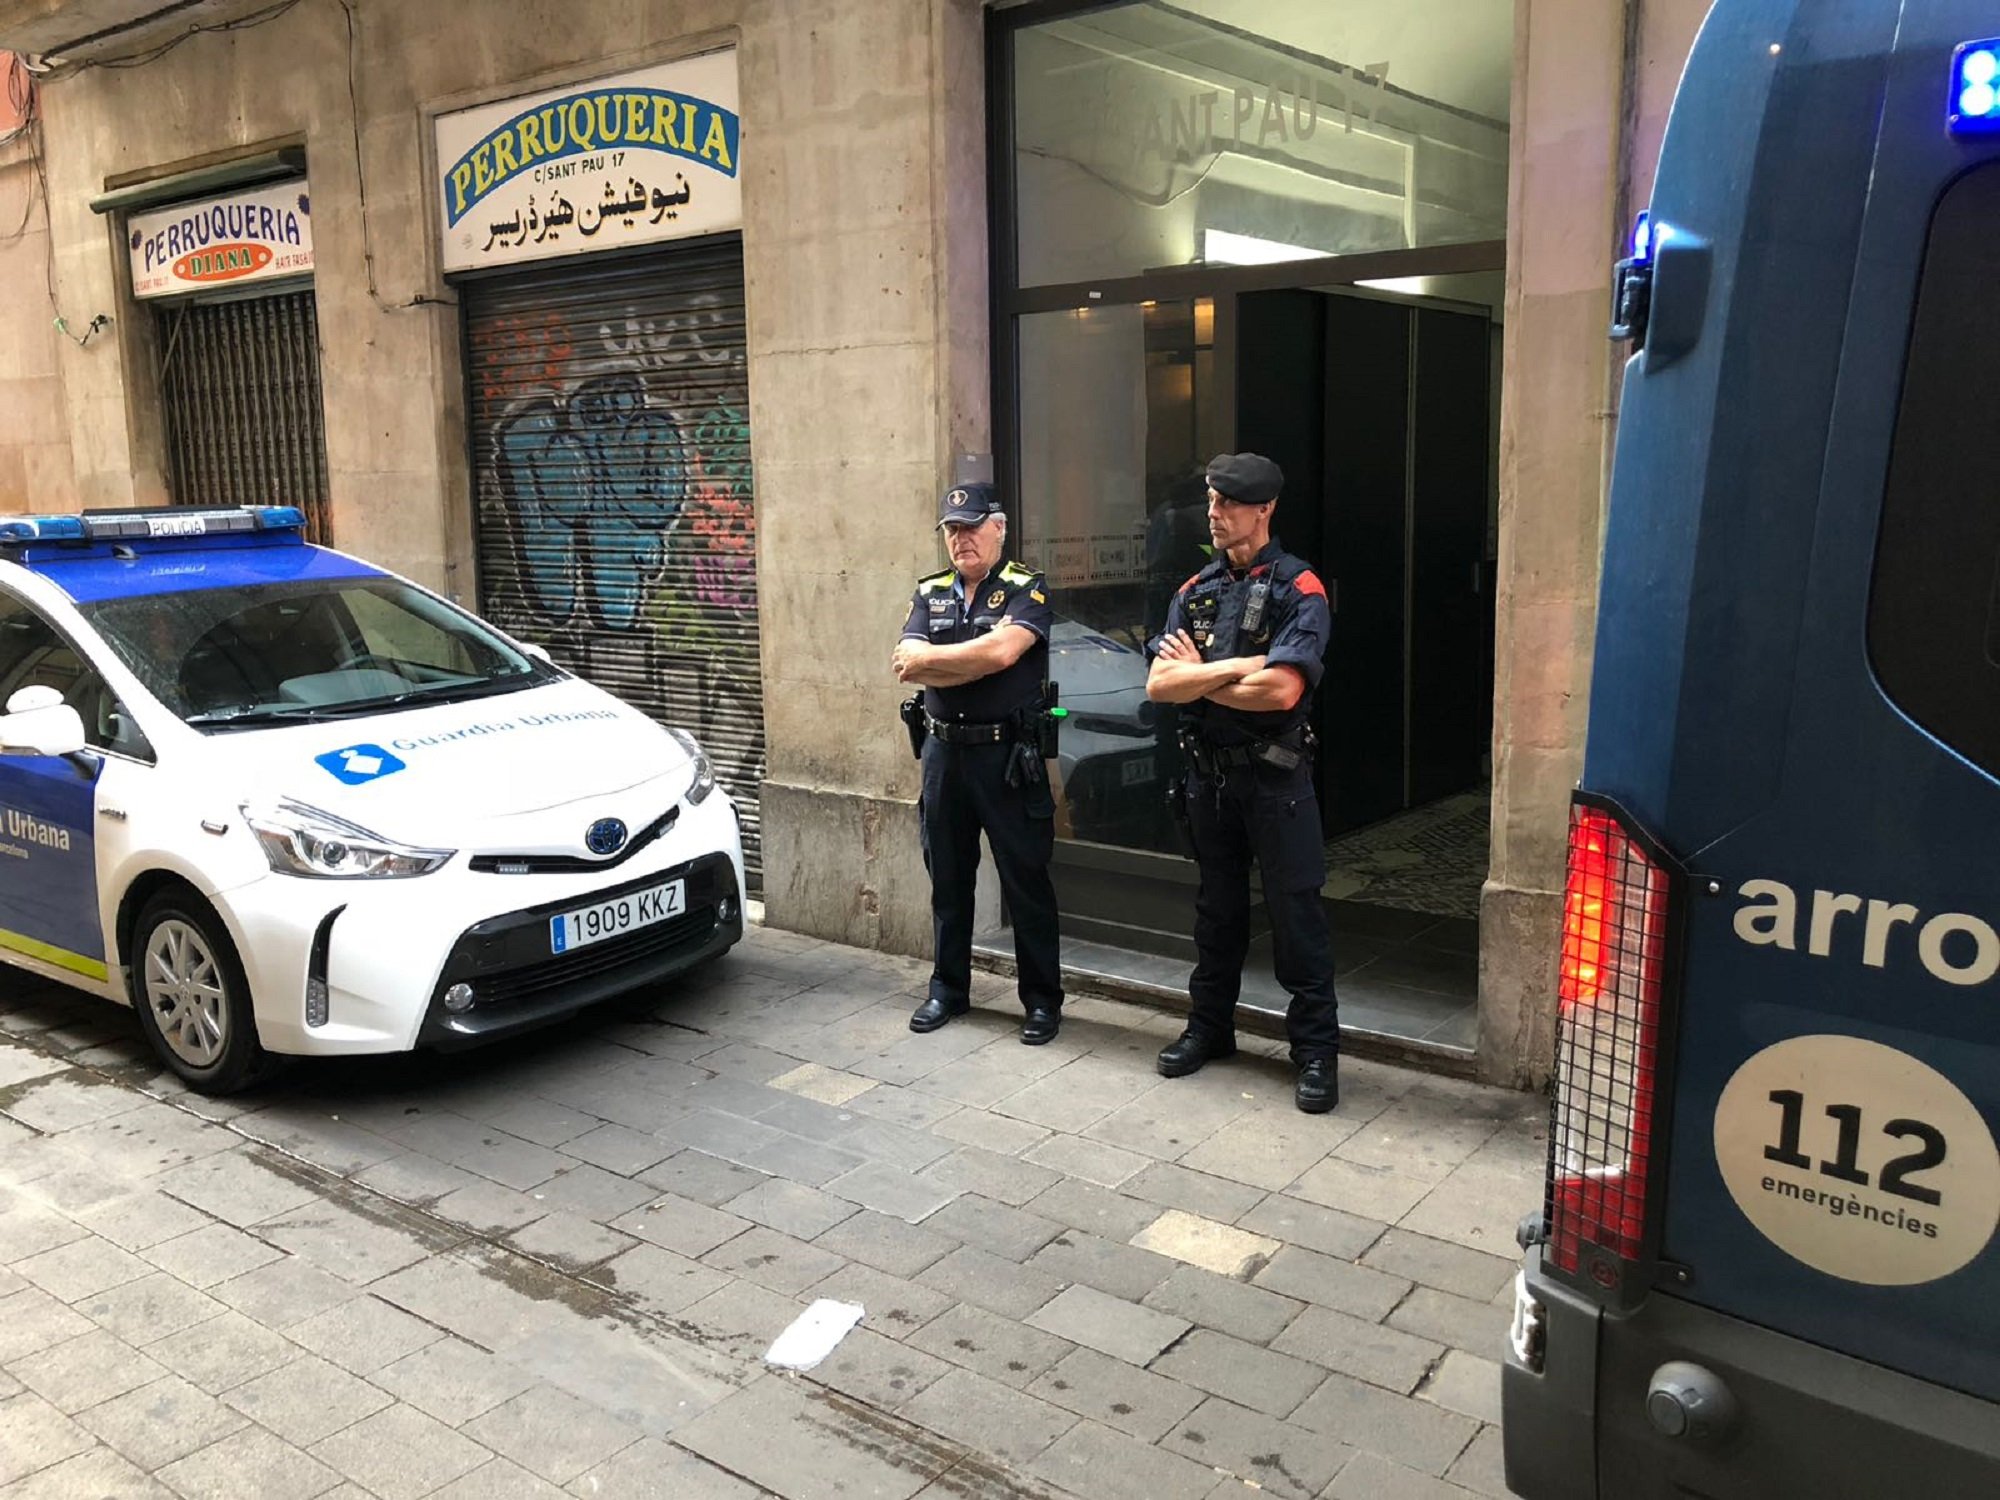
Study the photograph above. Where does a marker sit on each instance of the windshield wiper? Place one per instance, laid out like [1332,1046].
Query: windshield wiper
[250,715]
[436,692]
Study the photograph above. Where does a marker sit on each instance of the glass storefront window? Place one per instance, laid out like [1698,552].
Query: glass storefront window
[1156,135]
[1114,510]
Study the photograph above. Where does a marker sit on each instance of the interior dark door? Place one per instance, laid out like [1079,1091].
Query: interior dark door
[1449,700]
[1280,413]
[1361,702]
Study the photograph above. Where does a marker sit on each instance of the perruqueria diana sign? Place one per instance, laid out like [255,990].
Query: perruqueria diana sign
[252,234]
[631,160]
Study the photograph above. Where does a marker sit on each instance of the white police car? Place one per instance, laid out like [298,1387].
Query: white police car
[281,801]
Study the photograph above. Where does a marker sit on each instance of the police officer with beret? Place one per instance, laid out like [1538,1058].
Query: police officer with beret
[977,642]
[1241,653]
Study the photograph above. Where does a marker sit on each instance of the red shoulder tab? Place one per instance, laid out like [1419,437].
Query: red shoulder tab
[1308,582]
[1189,584]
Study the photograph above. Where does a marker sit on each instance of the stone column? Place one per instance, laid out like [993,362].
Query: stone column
[1592,83]
[868,348]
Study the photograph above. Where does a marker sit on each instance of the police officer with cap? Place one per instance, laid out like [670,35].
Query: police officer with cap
[977,642]
[1241,652]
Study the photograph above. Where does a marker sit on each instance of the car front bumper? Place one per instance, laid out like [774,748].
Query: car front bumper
[386,950]
[516,984]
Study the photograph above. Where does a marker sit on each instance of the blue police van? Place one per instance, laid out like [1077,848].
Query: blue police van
[1767,1262]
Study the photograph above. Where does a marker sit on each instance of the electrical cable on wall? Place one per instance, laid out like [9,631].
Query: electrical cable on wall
[244,23]
[152,54]
[23,97]
[361,185]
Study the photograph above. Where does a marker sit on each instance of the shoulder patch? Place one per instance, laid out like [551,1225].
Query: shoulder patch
[936,581]
[1015,573]
[1307,582]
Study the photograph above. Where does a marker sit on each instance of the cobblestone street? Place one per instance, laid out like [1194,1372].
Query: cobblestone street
[554,1267]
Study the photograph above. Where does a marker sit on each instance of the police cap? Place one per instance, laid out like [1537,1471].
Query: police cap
[968,505]
[1246,478]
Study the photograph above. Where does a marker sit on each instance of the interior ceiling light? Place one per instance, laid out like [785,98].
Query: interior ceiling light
[1219,247]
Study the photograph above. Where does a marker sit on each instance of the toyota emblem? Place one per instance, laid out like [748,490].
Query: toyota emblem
[605,836]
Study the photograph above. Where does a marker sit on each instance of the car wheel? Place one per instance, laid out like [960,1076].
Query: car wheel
[192,999]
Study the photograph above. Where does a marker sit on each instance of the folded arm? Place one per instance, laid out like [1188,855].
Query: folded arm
[924,665]
[1179,675]
[1269,689]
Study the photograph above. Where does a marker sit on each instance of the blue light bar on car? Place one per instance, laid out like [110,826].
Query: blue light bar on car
[164,523]
[41,529]
[1975,86]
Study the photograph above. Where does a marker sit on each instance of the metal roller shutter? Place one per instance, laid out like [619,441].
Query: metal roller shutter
[242,396]
[610,425]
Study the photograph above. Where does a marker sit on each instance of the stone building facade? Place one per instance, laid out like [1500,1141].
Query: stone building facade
[850,292]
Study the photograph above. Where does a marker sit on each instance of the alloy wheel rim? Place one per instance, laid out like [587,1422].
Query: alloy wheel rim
[184,991]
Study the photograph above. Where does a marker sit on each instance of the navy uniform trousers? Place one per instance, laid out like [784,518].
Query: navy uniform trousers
[965,791]
[1273,818]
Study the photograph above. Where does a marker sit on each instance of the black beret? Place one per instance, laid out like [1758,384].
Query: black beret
[1246,478]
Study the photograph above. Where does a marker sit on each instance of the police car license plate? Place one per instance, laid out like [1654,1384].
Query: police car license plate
[619,915]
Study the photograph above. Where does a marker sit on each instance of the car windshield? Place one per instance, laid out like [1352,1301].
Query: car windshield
[236,658]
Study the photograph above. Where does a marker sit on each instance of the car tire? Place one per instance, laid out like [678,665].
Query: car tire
[192,999]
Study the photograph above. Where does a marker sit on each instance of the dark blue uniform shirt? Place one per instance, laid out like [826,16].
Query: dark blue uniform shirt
[1291,631]
[941,614]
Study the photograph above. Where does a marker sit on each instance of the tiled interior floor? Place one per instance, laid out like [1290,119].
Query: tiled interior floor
[1403,904]
[1429,859]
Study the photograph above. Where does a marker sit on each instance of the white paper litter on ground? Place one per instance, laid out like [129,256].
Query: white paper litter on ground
[813,1334]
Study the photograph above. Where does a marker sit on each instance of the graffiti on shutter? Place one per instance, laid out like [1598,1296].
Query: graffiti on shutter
[612,449]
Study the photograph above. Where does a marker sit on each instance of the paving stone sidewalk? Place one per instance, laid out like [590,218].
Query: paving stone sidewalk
[552,1267]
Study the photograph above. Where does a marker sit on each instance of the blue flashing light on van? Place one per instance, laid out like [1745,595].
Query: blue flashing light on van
[1975,86]
[1767,1263]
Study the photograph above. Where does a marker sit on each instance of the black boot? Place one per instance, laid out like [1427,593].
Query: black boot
[1318,1090]
[1192,1050]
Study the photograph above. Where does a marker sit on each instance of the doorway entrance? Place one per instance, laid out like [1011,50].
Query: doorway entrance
[1379,407]
[1195,207]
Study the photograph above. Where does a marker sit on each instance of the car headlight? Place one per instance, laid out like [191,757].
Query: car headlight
[704,773]
[302,840]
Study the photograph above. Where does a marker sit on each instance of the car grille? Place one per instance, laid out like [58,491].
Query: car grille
[602,958]
[572,864]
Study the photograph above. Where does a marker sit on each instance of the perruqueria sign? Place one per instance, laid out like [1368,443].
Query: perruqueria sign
[252,234]
[642,157]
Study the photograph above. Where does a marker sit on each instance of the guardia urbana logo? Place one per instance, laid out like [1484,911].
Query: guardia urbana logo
[32,830]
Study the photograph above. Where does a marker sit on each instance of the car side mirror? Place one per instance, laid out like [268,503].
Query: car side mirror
[540,653]
[54,730]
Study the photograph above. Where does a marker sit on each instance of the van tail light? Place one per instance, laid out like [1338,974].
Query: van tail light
[1607,1045]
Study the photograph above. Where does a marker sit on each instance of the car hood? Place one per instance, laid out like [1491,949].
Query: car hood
[492,772]
[1097,675]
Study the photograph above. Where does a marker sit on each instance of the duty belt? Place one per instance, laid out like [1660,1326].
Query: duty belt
[1286,752]
[952,732]
[1209,757]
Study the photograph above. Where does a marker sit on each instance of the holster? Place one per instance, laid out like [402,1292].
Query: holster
[1024,760]
[911,709]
